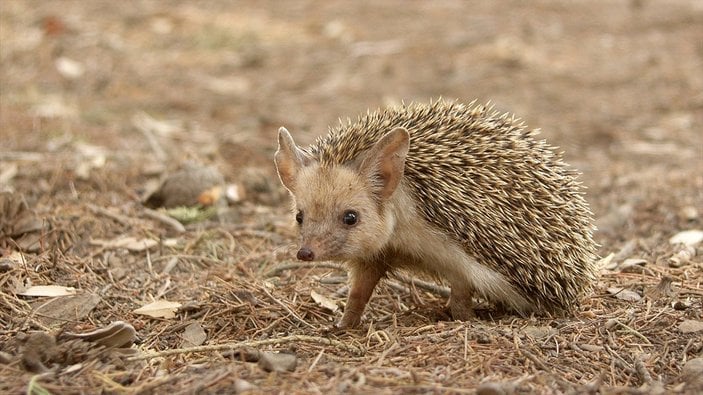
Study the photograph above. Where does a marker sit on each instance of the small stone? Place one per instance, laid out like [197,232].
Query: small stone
[691,326]
[277,362]
[692,374]
[492,389]
[624,294]
[243,386]
[681,305]
[186,186]
[687,237]
[5,358]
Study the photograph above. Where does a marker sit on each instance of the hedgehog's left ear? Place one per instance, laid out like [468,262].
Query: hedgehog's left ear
[289,159]
[384,163]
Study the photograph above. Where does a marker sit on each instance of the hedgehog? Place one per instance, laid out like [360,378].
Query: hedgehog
[458,192]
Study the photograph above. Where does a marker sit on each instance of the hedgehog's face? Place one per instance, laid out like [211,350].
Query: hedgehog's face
[340,210]
[338,216]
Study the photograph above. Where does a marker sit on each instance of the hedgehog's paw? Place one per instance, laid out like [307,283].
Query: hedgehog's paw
[350,320]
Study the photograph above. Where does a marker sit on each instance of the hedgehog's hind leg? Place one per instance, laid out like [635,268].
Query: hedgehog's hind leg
[461,302]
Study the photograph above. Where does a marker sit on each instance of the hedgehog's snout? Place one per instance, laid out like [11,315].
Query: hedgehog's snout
[305,254]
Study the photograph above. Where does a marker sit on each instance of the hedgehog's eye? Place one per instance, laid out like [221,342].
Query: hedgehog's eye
[350,217]
[299,217]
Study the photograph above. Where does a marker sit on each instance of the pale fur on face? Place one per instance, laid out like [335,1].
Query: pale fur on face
[323,195]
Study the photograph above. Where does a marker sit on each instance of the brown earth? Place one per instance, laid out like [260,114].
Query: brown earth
[99,99]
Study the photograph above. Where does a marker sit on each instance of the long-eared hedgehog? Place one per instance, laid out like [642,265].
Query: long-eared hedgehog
[459,192]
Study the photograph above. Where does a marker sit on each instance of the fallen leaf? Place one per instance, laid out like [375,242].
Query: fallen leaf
[27,224]
[624,294]
[194,335]
[687,237]
[64,309]
[607,262]
[118,334]
[632,264]
[691,326]
[48,290]
[30,242]
[159,309]
[15,257]
[324,301]
[128,242]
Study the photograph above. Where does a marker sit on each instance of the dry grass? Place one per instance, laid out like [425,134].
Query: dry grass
[246,296]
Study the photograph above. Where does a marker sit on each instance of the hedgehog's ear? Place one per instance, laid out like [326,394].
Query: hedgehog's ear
[384,163]
[289,159]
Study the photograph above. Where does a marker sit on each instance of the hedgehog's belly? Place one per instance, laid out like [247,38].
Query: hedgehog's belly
[417,246]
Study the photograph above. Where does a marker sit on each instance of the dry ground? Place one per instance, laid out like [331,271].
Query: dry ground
[99,99]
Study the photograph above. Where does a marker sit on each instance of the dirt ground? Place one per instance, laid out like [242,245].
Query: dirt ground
[100,100]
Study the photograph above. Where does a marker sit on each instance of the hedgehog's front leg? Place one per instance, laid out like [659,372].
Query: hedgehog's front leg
[364,278]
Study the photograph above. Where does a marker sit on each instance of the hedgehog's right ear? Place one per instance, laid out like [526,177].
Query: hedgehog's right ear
[384,163]
[289,159]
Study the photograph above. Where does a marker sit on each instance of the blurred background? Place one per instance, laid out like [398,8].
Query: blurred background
[133,89]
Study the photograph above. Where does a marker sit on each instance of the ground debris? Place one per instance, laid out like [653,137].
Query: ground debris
[61,309]
[118,334]
[277,362]
[692,374]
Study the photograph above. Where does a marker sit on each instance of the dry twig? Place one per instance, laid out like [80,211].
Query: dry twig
[255,343]
[103,211]
[173,223]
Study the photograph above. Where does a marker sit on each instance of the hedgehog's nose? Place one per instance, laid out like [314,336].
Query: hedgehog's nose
[306,254]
